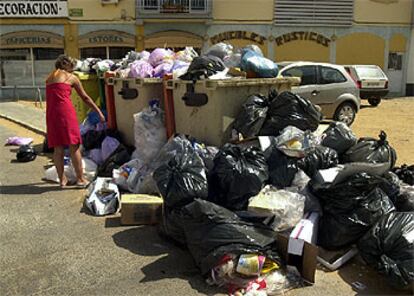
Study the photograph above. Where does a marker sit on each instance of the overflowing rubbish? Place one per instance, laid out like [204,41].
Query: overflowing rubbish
[89,168]
[140,209]
[26,153]
[405,173]
[318,158]
[103,197]
[252,61]
[18,141]
[389,248]
[339,137]
[282,168]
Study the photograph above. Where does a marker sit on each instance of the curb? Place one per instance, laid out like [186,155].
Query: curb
[24,124]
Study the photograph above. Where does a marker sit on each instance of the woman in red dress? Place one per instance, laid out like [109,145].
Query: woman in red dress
[61,121]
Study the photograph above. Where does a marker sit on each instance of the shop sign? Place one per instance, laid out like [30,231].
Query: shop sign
[27,39]
[238,35]
[106,38]
[39,9]
[76,12]
[302,35]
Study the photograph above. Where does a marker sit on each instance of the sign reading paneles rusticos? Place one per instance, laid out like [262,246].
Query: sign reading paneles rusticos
[27,39]
[302,35]
[238,35]
[40,9]
[106,38]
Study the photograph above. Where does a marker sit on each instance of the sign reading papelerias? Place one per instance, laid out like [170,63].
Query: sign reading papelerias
[37,9]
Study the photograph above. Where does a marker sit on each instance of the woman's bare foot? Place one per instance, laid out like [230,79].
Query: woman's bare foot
[82,183]
[64,181]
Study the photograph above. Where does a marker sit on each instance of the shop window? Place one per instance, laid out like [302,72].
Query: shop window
[15,67]
[330,75]
[93,52]
[395,61]
[118,53]
[307,74]
[44,62]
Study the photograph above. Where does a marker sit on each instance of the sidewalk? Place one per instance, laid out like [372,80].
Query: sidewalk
[30,117]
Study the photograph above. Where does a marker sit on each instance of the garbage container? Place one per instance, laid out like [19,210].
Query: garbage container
[101,87]
[90,84]
[131,95]
[110,99]
[205,109]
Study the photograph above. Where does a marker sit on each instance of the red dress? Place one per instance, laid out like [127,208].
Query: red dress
[61,121]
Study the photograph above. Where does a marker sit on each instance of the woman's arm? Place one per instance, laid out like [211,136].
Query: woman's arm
[87,99]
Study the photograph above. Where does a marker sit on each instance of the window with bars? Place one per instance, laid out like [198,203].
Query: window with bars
[337,13]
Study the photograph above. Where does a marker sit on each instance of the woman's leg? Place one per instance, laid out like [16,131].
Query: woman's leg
[76,157]
[58,155]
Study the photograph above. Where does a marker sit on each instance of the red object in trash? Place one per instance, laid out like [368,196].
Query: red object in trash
[110,99]
[169,108]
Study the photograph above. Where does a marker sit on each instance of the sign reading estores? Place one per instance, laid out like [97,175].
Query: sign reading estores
[33,8]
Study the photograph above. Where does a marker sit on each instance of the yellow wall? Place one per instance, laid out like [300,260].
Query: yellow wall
[397,43]
[360,48]
[124,11]
[383,11]
[71,40]
[257,10]
[301,50]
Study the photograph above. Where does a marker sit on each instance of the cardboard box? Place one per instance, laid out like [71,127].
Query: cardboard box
[140,209]
[299,249]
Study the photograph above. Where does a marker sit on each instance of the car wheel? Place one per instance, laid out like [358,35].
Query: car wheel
[374,101]
[345,113]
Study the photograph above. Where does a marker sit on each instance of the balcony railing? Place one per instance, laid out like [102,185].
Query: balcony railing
[174,8]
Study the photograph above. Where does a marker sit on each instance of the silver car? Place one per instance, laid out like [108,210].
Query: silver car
[326,85]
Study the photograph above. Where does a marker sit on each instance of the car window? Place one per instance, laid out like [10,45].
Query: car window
[307,74]
[369,72]
[331,75]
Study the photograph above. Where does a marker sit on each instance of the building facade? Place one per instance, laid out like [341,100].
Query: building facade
[344,32]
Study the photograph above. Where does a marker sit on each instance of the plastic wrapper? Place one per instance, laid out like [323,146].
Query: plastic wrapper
[389,248]
[212,231]
[282,168]
[203,67]
[238,174]
[220,50]
[339,137]
[182,179]
[96,156]
[108,147]
[252,116]
[103,66]
[261,66]
[18,141]
[149,132]
[290,109]
[294,142]
[133,176]
[350,208]
[186,55]
[405,173]
[159,56]
[141,69]
[286,206]
[318,158]
[233,60]
[89,171]
[372,150]
[103,197]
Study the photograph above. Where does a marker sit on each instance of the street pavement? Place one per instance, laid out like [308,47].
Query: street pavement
[26,115]
[50,246]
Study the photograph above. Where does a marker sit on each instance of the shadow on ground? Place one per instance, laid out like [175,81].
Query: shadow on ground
[31,189]
[173,262]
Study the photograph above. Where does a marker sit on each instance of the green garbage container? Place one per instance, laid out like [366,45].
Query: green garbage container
[91,85]
[101,85]
[205,109]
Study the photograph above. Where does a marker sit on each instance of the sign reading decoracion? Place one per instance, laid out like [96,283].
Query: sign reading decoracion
[38,9]
[302,35]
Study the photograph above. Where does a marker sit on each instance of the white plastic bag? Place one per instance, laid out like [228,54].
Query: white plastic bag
[103,197]
[149,131]
[89,171]
[294,142]
[286,206]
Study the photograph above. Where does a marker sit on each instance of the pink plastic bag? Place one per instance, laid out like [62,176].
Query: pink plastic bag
[108,147]
[159,56]
[141,69]
[18,141]
[162,69]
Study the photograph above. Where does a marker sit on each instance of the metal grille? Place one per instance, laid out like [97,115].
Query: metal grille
[173,6]
[337,13]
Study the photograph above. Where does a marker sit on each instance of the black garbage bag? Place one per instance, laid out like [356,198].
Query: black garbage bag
[212,231]
[339,137]
[93,139]
[182,179]
[371,150]
[318,158]
[389,248]
[25,153]
[203,67]
[252,116]
[282,168]
[404,201]
[117,158]
[45,147]
[171,225]
[238,174]
[350,208]
[405,173]
[290,109]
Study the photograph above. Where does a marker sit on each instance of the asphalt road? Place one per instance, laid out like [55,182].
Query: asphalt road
[48,246]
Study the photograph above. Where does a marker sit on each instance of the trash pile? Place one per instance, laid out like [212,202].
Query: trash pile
[185,64]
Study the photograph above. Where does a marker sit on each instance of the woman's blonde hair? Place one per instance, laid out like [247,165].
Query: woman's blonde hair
[64,61]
